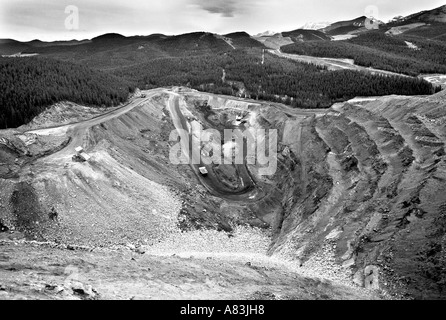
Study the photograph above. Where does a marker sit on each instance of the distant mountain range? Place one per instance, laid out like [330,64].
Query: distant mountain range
[435,15]
[202,59]
[312,31]
[325,31]
[345,27]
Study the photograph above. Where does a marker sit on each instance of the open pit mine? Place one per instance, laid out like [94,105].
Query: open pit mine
[356,208]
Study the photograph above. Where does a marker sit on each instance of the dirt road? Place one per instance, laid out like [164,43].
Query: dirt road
[78,130]
[77,133]
[332,63]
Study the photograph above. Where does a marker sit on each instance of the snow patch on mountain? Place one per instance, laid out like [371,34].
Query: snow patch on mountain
[315,25]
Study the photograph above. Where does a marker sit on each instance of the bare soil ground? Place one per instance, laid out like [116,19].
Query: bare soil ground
[50,272]
[437,79]
[401,29]
[61,114]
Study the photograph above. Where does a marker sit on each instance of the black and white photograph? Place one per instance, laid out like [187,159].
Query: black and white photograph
[225,156]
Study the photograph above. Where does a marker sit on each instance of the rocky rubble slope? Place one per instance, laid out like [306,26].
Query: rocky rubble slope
[48,271]
[372,187]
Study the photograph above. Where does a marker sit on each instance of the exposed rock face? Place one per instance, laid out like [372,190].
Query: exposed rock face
[379,193]
[361,191]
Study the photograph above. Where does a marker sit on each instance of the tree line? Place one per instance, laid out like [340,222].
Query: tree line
[279,80]
[29,85]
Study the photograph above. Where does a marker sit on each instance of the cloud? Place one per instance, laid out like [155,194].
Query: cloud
[226,8]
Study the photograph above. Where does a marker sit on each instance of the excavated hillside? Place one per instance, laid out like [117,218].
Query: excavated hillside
[358,199]
[374,188]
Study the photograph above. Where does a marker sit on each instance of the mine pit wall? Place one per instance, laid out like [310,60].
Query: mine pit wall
[368,180]
[359,186]
[304,182]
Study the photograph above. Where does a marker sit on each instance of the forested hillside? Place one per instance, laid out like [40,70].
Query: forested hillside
[104,70]
[380,51]
[29,85]
[113,51]
[280,80]
[433,31]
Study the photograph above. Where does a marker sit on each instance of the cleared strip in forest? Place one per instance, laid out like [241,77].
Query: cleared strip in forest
[333,63]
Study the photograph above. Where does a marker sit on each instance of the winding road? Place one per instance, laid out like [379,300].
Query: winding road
[77,131]
[211,182]
[78,134]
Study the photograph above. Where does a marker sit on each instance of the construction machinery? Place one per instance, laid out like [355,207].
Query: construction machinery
[204,172]
[81,155]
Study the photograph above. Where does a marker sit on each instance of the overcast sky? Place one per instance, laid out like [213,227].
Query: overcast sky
[47,19]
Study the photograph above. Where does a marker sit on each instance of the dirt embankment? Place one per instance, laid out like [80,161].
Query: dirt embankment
[52,272]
